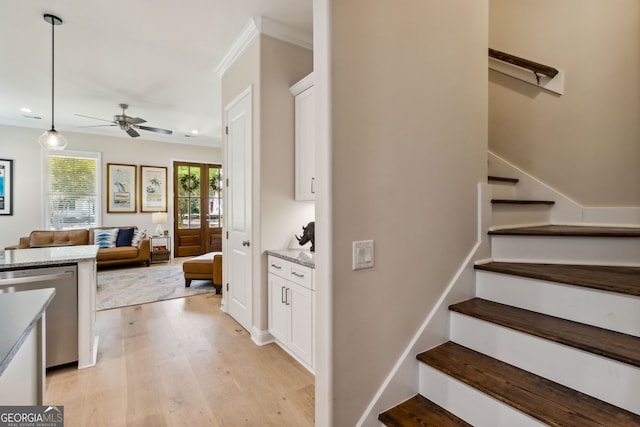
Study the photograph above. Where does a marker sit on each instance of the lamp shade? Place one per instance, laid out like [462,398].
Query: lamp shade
[52,140]
[159,217]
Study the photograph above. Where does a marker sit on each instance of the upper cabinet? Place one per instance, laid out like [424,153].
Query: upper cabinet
[305,157]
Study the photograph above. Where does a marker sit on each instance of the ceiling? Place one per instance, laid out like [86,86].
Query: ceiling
[158,56]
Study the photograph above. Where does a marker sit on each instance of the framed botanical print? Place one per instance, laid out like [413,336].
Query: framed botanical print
[121,188]
[153,189]
[6,187]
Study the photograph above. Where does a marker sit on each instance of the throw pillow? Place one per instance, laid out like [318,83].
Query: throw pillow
[106,238]
[138,235]
[125,235]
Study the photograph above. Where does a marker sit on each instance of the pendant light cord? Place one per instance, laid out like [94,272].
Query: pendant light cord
[53,54]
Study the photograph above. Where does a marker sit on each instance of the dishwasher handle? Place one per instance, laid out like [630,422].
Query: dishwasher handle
[34,279]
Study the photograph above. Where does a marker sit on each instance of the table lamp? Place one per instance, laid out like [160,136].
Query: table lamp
[159,218]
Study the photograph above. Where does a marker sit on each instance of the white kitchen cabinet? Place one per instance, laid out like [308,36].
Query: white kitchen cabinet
[291,308]
[305,144]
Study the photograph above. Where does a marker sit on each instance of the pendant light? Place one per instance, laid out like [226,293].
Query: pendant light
[52,139]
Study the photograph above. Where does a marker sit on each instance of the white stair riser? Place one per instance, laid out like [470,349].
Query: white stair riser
[567,250]
[598,376]
[519,215]
[502,191]
[609,310]
[467,403]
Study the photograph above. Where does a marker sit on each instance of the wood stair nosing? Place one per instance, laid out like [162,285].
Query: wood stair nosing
[622,280]
[521,202]
[503,179]
[420,411]
[610,344]
[568,230]
[542,399]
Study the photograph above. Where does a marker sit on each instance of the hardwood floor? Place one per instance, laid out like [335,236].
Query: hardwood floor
[182,362]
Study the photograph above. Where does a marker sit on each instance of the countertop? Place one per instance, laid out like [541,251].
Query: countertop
[36,257]
[299,256]
[19,313]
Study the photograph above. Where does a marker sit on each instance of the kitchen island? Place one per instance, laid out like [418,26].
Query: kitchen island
[17,272]
[22,372]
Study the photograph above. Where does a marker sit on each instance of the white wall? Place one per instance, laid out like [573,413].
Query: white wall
[270,66]
[21,145]
[585,142]
[407,92]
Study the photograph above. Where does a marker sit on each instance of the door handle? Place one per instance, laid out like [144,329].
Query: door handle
[246,243]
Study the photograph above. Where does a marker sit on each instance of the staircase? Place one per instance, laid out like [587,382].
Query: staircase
[552,336]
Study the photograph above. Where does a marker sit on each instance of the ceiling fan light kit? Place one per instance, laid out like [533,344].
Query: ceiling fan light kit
[127,123]
[52,139]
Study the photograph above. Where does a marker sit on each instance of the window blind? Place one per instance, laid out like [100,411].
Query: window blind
[72,191]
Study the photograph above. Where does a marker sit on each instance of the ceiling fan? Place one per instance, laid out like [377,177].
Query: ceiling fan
[127,123]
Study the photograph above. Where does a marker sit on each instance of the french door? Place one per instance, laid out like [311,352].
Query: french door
[198,218]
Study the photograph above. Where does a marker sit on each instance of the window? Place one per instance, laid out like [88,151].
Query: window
[72,190]
[191,193]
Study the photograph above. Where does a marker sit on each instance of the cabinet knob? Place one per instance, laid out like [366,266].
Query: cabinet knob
[246,243]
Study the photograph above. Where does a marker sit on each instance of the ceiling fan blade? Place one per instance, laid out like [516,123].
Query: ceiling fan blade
[132,132]
[96,126]
[165,131]
[136,120]
[96,118]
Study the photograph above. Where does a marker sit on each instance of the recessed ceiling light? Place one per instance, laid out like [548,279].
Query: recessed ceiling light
[25,110]
[194,132]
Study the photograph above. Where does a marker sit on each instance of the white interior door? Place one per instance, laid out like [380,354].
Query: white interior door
[238,254]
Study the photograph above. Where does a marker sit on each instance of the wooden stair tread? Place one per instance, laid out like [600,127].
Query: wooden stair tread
[538,397]
[503,179]
[522,202]
[624,280]
[569,230]
[419,411]
[614,345]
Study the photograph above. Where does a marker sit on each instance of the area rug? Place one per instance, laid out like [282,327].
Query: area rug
[121,287]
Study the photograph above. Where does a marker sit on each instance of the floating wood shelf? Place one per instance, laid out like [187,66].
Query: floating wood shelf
[541,75]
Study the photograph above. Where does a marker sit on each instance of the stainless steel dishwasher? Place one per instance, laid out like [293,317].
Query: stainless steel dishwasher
[62,313]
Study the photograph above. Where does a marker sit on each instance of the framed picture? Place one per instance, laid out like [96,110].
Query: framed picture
[121,188]
[153,189]
[6,187]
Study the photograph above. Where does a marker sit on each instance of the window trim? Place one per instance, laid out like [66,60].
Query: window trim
[45,180]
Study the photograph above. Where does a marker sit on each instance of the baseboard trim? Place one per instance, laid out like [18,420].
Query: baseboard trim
[261,337]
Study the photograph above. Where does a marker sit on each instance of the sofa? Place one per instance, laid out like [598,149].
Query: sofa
[204,267]
[118,255]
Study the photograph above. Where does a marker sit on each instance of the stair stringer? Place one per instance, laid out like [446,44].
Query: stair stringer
[402,382]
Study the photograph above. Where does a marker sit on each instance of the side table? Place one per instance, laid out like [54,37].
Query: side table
[160,248]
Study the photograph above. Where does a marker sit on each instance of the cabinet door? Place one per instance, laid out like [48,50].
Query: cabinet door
[300,302]
[278,310]
[305,166]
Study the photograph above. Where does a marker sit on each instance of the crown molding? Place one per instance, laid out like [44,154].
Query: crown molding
[261,25]
[285,33]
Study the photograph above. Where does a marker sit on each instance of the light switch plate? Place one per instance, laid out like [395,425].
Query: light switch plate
[362,254]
